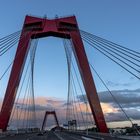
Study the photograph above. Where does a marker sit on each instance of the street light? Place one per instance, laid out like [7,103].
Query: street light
[17,106]
[86,116]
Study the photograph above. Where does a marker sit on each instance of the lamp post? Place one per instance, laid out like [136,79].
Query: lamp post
[86,116]
[17,106]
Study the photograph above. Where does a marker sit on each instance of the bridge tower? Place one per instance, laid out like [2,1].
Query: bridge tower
[45,118]
[65,27]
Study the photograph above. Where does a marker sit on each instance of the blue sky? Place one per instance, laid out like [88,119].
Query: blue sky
[117,21]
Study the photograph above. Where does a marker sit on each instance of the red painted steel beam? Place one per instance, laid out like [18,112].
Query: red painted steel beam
[14,79]
[44,121]
[56,119]
[45,118]
[88,82]
[66,27]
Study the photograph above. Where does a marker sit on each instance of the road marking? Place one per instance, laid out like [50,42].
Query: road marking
[59,136]
[85,138]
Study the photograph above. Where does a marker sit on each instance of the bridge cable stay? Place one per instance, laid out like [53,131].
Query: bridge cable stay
[129,51]
[30,102]
[25,123]
[109,55]
[17,55]
[123,50]
[75,110]
[68,51]
[8,67]
[111,92]
[25,103]
[68,57]
[23,76]
[30,90]
[115,45]
[19,93]
[70,104]
[71,112]
[76,107]
[73,91]
[115,51]
[126,51]
[115,48]
[8,38]
[9,43]
[6,43]
[78,102]
[23,106]
[10,64]
[32,57]
[29,108]
[84,97]
[114,98]
[75,103]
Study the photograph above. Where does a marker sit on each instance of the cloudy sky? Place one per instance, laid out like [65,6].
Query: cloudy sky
[128,99]
[117,21]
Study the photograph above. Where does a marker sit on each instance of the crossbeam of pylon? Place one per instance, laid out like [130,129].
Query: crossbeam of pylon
[66,27]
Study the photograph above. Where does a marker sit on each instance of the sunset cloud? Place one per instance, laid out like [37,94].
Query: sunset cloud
[129,99]
[108,108]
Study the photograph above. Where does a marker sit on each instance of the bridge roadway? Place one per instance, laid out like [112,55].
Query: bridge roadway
[50,135]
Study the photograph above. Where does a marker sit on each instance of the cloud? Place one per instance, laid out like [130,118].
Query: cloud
[107,108]
[133,114]
[112,84]
[129,100]
[32,107]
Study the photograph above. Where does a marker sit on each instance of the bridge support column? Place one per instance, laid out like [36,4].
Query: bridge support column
[14,80]
[88,81]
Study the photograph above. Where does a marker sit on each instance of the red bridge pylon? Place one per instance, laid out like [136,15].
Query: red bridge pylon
[66,27]
[47,113]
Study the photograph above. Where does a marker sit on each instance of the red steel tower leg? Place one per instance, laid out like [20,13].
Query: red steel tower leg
[88,82]
[14,80]
[60,27]
[44,121]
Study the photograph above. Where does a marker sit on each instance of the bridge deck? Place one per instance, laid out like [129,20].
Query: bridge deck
[50,135]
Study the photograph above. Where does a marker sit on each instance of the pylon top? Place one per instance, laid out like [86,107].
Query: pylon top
[58,27]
